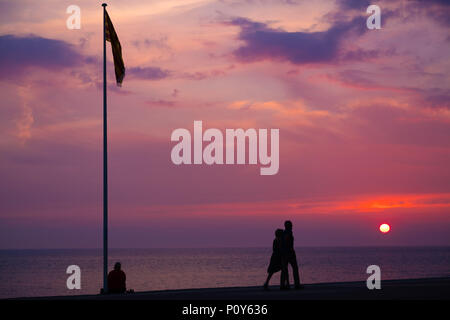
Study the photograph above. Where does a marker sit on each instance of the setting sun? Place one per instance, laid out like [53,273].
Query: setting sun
[385,228]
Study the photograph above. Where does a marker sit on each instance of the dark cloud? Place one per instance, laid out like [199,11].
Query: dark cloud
[355,4]
[148,73]
[409,11]
[17,54]
[436,98]
[20,53]
[444,3]
[263,42]
[437,10]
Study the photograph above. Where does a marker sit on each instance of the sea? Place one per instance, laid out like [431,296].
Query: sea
[31,273]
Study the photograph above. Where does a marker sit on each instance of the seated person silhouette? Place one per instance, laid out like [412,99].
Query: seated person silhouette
[288,257]
[117,280]
[275,259]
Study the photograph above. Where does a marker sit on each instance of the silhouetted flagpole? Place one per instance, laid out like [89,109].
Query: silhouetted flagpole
[105,165]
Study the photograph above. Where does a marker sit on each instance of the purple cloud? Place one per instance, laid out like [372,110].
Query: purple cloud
[19,53]
[437,98]
[437,10]
[148,73]
[354,4]
[263,42]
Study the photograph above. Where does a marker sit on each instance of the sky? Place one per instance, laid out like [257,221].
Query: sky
[364,120]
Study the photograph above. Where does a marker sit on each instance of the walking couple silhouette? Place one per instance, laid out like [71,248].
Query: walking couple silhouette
[283,254]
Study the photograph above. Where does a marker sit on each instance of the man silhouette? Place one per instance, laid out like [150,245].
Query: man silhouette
[117,280]
[288,257]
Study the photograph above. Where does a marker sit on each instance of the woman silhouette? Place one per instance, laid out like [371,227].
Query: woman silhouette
[275,259]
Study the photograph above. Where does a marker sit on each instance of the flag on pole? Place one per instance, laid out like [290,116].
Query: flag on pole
[111,36]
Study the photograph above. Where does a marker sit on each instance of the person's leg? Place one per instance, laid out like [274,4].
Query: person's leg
[269,276]
[284,278]
[293,263]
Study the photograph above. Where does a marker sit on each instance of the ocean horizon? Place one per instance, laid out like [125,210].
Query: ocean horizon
[42,272]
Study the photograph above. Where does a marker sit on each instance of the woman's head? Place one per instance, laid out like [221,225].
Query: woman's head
[279,233]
